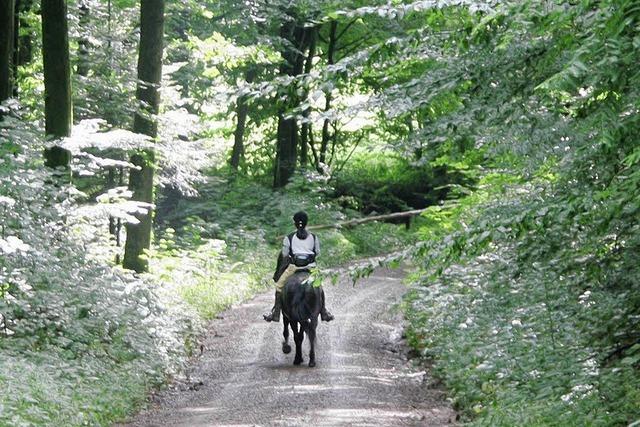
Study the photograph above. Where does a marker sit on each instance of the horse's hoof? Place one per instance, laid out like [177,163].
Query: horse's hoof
[312,364]
[297,362]
[286,348]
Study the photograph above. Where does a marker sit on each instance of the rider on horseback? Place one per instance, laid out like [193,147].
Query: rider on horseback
[301,249]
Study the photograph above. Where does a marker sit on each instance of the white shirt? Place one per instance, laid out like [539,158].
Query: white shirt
[301,247]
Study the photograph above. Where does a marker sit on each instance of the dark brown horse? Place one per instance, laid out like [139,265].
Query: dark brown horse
[301,303]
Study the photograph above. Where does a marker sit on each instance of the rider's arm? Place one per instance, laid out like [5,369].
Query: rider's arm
[317,246]
[285,246]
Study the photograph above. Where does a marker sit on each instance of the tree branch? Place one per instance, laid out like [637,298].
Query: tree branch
[346,28]
[355,146]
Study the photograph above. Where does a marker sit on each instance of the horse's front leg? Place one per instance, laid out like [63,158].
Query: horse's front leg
[313,324]
[286,348]
[298,336]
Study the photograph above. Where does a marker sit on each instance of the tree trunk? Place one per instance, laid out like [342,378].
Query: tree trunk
[331,51]
[82,67]
[286,154]
[139,235]
[7,22]
[57,74]
[57,80]
[306,126]
[242,109]
[287,134]
[149,66]
[148,95]
[16,46]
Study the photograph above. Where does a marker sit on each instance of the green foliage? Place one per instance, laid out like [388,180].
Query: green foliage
[527,296]
[72,328]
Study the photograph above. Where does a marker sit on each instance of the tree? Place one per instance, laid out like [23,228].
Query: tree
[7,11]
[331,51]
[57,72]
[57,79]
[297,39]
[82,67]
[148,95]
[306,133]
[242,110]
[24,31]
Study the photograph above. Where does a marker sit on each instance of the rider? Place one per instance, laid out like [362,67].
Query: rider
[300,248]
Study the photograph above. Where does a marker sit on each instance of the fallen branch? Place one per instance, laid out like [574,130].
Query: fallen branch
[354,222]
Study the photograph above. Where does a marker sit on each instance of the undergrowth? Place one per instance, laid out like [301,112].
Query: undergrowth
[522,329]
[81,342]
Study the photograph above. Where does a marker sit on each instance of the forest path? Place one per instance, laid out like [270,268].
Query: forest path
[362,377]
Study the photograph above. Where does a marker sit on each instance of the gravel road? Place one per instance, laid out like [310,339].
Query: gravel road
[362,377]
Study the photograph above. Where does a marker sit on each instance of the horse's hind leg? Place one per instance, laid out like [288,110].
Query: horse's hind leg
[286,348]
[298,336]
[311,331]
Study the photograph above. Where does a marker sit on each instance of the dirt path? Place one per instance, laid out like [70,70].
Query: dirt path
[362,377]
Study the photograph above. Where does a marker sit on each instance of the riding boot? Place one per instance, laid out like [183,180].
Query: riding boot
[274,316]
[324,313]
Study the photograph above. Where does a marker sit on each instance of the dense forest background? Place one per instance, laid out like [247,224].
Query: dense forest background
[175,139]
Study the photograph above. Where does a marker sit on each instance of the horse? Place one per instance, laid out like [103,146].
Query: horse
[301,304]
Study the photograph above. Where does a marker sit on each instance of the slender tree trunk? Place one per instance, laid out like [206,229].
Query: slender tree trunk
[111,183]
[148,95]
[16,46]
[25,35]
[7,47]
[331,51]
[242,110]
[109,19]
[287,133]
[316,158]
[334,141]
[82,67]
[306,126]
